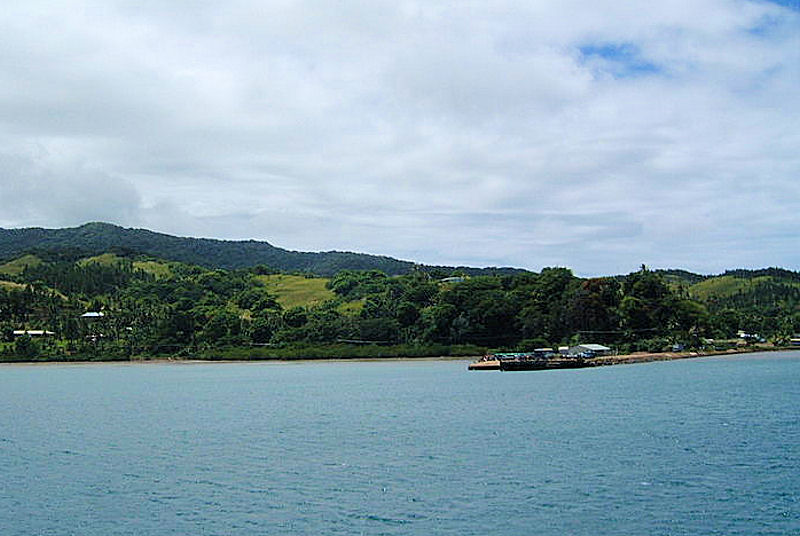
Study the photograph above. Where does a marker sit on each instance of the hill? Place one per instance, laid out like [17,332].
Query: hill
[94,239]
[681,277]
[747,289]
[18,265]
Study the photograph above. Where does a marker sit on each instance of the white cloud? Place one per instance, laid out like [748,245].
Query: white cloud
[466,133]
[39,187]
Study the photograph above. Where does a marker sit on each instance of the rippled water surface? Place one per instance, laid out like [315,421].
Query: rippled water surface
[708,446]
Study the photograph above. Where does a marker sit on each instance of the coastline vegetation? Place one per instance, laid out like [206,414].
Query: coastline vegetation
[148,308]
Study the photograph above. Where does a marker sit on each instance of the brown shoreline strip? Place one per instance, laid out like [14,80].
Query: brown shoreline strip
[642,357]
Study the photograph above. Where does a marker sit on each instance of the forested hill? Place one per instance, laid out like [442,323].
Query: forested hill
[97,238]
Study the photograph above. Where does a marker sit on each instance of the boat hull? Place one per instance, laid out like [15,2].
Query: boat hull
[541,364]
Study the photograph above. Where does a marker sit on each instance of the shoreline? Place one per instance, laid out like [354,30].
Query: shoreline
[639,357]
[650,357]
[165,361]
[602,361]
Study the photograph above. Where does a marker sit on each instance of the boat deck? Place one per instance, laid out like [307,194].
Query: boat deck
[492,364]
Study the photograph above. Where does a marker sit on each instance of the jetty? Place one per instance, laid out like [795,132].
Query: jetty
[531,361]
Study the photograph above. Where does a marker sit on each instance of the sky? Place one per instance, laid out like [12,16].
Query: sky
[597,135]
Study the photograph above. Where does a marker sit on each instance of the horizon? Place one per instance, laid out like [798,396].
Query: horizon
[594,135]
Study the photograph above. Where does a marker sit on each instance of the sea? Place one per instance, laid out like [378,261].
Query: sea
[707,446]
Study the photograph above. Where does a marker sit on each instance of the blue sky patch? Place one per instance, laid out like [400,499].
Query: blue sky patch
[621,60]
[791,4]
[765,26]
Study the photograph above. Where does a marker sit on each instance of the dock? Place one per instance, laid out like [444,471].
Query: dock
[513,362]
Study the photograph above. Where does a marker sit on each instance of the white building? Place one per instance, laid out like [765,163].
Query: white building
[33,333]
[590,349]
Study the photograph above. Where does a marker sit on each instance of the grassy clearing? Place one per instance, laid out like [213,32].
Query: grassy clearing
[297,291]
[718,287]
[17,266]
[10,285]
[352,308]
[728,285]
[106,259]
[158,269]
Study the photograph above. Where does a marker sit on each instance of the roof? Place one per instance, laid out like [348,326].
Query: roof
[594,347]
[92,314]
[34,332]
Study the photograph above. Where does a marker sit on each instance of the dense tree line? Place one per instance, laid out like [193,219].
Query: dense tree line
[194,310]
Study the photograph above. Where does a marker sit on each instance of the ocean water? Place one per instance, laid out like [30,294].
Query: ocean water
[698,447]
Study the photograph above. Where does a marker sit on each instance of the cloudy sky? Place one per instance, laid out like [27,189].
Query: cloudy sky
[593,134]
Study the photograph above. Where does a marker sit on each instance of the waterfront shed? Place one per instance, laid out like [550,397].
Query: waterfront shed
[591,349]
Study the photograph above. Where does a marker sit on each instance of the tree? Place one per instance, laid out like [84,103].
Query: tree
[295,317]
[223,328]
[378,329]
[26,347]
[264,327]
[437,322]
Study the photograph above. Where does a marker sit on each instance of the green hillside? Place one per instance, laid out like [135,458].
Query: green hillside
[105,259]
[726,286]
[156,268]
[719,287]
[289,290]
[297,291]
[17,266]
[94,240]
[681,277]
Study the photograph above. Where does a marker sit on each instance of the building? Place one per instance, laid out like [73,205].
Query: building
[589,350]
[33,333]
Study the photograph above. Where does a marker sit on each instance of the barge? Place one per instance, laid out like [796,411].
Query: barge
[541,364]
[539,359]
